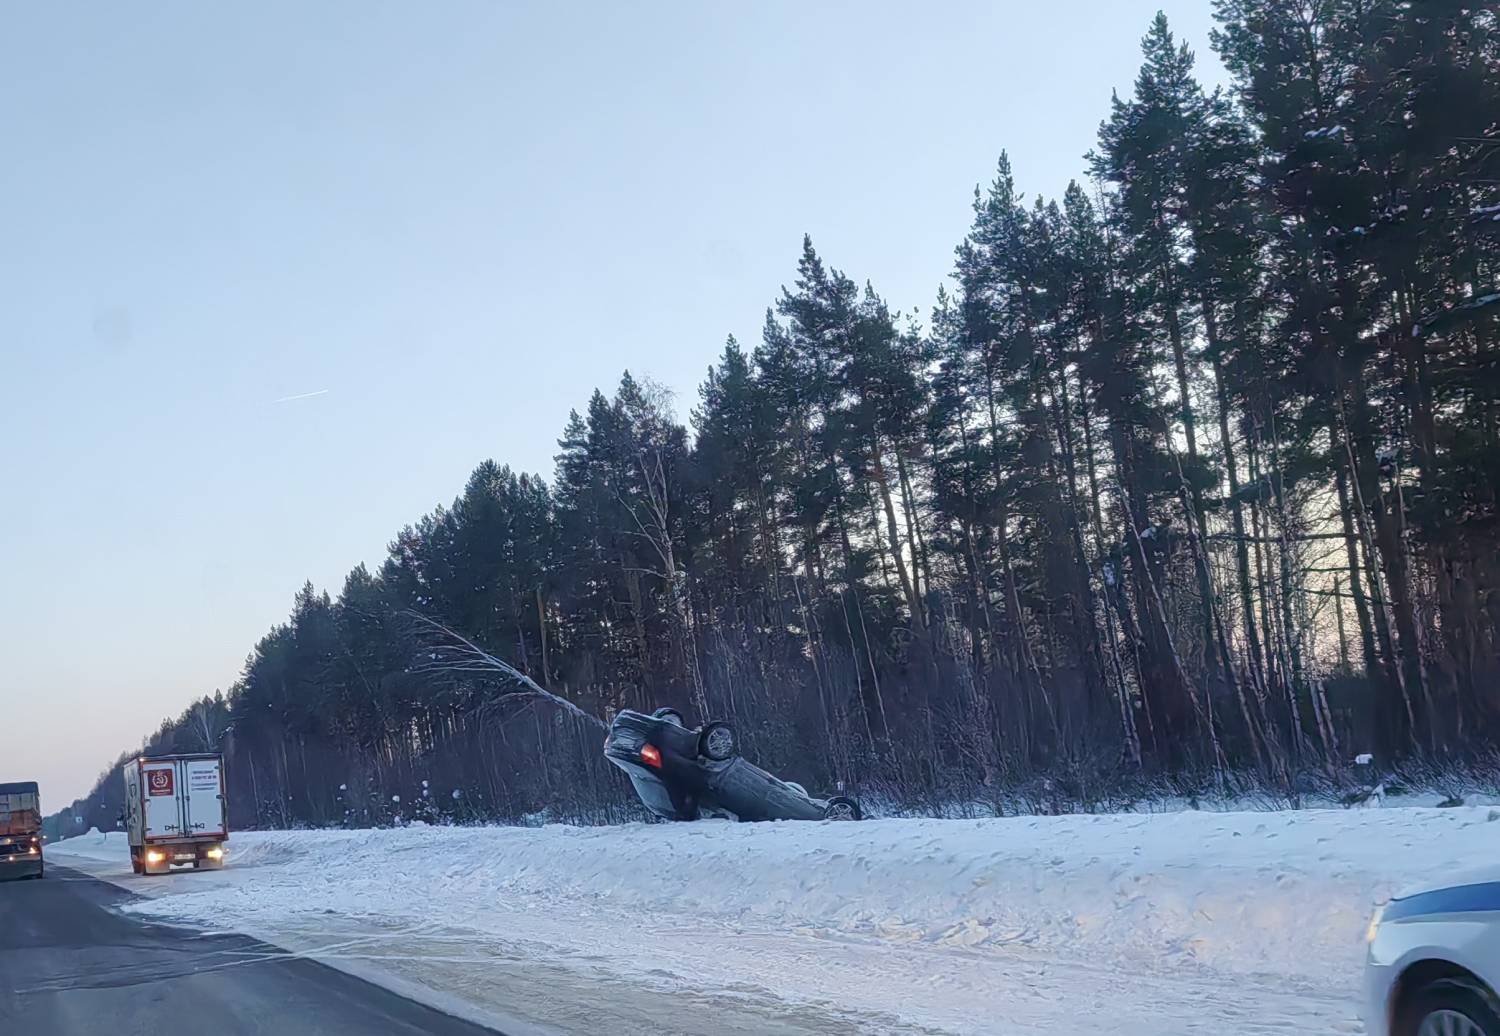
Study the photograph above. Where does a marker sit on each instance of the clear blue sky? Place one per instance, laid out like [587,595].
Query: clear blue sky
[457,218]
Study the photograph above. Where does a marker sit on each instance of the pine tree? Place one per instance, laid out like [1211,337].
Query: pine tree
[1193,472]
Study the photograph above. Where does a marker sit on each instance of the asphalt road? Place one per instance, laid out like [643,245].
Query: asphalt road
[73,965]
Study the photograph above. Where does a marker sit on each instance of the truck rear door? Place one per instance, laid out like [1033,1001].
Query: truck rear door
[205,797]
[162,806]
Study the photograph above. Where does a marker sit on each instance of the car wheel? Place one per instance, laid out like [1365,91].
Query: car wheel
[718,742]
[1451,1007]
[670,715]
[842,808]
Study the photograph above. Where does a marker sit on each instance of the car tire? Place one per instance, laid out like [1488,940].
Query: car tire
[1451,1002]
[718,741]
[841,807]
[670,715]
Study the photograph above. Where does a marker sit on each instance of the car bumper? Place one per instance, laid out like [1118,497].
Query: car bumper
[1376,1013]
[20,867]
[663,799]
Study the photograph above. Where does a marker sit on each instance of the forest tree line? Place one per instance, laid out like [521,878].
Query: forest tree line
[1189,473]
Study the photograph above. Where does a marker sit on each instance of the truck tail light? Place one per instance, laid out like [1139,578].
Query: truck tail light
[651,756]
[215,853]
[155,856]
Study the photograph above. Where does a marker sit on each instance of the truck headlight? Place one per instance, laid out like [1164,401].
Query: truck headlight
[1374,928]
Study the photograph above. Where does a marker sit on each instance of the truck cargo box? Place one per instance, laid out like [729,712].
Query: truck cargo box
[175,812]
[20,809]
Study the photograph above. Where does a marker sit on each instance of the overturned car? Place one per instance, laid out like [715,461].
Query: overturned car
[683,774]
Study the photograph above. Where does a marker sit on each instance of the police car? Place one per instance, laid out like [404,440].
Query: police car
[1434,960]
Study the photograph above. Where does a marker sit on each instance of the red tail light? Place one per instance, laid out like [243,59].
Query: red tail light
[651,756]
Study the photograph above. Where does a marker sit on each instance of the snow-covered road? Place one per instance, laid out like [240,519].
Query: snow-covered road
[1136,924]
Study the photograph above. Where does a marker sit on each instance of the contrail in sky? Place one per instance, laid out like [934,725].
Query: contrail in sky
[303,395]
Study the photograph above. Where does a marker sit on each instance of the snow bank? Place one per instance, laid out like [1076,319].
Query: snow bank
[96,845]
[1270,905]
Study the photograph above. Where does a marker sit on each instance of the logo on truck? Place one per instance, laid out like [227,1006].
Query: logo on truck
[159,782]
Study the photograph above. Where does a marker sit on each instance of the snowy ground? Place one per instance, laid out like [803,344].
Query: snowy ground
[1141,925]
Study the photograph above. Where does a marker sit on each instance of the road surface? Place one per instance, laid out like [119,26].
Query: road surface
[70,963]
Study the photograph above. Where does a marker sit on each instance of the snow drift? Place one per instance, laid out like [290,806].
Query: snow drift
[935,920]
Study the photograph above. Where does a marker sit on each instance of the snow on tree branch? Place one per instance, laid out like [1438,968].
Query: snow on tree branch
[1453,314]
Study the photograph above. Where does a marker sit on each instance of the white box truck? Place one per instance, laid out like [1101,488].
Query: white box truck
[176,814]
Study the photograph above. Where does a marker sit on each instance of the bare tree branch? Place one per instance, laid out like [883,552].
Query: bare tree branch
[462,655]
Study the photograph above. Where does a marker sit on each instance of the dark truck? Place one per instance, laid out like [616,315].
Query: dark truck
[20,831]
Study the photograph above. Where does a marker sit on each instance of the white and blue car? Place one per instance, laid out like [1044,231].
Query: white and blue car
[1434,961]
